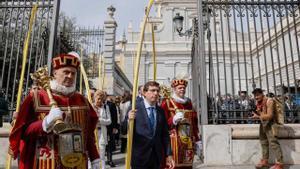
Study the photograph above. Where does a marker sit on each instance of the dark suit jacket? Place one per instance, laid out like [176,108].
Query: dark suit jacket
[144,142]
[114,117]
[139,98]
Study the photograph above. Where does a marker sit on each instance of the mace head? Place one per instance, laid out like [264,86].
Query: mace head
[41,77]
[165,91]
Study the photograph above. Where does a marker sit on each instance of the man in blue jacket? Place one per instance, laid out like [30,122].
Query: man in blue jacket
[150,137]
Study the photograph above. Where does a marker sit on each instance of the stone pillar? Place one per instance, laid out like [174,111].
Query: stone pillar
[110,26]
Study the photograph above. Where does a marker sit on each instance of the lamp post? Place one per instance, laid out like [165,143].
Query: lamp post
[201,25]
[178,22]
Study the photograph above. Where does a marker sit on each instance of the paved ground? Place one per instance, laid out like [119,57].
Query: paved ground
[119,160]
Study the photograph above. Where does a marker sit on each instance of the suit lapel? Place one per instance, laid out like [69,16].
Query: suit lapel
[157,118]
[145,115]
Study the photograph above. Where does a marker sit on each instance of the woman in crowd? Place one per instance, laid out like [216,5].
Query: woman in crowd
[104,119]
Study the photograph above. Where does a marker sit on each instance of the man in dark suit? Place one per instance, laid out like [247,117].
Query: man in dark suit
[111,130]
[150,136]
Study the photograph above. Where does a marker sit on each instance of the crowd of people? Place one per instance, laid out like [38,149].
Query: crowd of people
[229,108]
[111,111]
[56,126]
[120,108]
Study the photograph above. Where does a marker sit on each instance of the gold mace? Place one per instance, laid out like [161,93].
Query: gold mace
[135,86]
[25,53]
[42,78]
[166,93]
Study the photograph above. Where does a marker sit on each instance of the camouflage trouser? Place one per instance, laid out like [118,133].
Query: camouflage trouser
[267,138]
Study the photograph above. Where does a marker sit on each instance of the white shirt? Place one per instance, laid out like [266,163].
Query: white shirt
[104,119]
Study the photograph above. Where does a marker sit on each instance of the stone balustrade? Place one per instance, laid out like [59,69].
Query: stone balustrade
[240,145]
[250,131]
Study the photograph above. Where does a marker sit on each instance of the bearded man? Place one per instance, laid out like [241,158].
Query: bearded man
[183,124]
[32,137]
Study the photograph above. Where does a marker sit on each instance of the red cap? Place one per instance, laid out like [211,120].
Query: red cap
[65,60]
[177,82]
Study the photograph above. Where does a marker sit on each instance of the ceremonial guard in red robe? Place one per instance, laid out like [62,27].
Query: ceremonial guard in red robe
[183,124]
[33,138]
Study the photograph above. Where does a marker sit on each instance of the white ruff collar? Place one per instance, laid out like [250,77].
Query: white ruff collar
[62,89]
[180,100]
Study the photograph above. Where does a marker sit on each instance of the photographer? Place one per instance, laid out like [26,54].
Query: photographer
[265,113]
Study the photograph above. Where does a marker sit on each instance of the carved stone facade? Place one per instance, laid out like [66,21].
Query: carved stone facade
[173,52]
[234,52]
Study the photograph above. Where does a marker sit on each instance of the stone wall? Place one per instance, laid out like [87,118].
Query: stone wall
[229,144]
[4,133]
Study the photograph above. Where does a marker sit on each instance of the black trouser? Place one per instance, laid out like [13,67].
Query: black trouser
[110,148]
[151,164]
[123,145]
[117,137]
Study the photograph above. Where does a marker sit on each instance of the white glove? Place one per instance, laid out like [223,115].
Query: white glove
[54,114]
[96,164]
[177,118]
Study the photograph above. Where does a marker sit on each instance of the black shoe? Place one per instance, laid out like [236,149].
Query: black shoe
[111,164]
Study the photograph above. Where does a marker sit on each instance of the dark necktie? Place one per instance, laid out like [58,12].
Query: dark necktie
[151,117]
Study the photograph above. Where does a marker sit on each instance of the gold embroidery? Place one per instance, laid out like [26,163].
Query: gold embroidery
[77,115]
[46,108]
[181,110]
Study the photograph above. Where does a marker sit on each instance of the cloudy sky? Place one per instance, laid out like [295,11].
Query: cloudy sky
[93,12]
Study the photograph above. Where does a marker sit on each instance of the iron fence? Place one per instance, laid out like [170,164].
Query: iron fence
[89,42]
[50,36]
[14,20]
[248,44]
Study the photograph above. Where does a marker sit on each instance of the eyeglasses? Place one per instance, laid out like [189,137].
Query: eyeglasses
[154,90]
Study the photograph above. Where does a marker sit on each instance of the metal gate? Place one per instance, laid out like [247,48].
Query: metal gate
[89,42]
[245,45]
[14,20]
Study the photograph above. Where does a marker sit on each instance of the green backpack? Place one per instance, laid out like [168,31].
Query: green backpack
[278,111]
